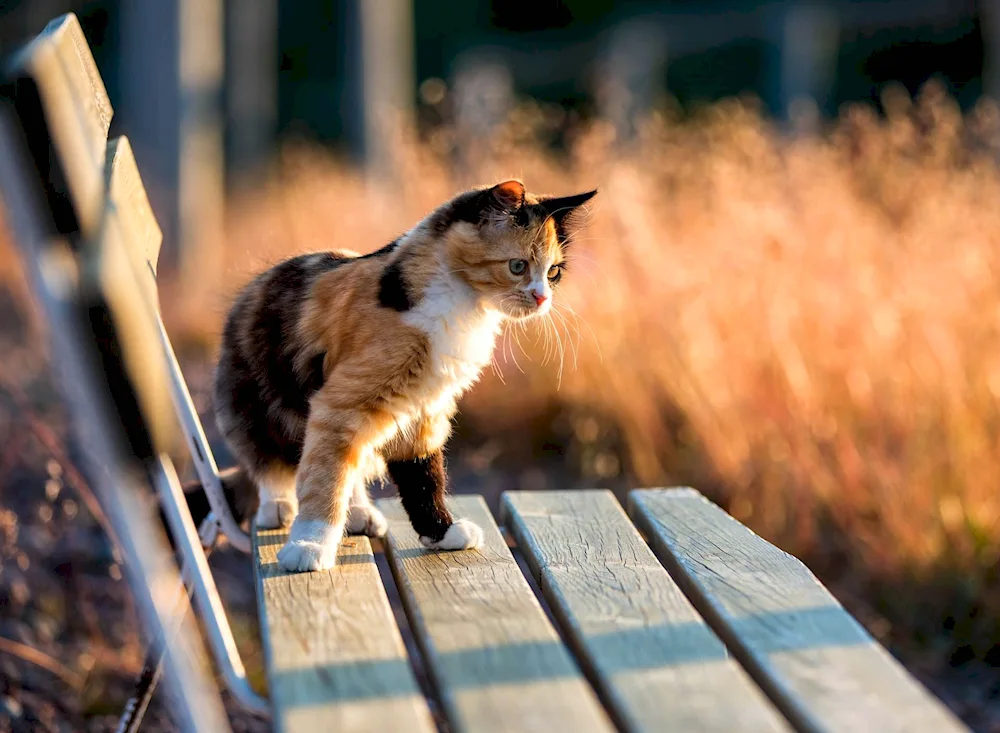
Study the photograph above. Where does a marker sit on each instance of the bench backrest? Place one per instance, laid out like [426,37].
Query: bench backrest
[69,91]
[97,193]
[98,292]
[99,204]
[120,238]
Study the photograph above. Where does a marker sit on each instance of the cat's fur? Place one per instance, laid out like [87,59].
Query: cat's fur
[337,368]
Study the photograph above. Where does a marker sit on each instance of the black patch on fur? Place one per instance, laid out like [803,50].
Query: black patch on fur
[393,291]
[315,376]
[521,217]
[275,322]
[421,485]
[471,207]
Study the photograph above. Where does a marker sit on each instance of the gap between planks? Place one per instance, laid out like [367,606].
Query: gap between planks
[334,655]
[815,661]
[635,633]
[496,662]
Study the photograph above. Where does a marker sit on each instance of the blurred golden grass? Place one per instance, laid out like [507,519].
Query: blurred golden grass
[807,325]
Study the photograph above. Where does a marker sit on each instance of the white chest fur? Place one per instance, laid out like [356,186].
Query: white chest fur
[461,334]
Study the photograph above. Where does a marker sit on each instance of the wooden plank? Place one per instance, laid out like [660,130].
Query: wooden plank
[128,196]
[495,660]
[115,263]
[76,108]
[335,658]
[628,622]
[815,661]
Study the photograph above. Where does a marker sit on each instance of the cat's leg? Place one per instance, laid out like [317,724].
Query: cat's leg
[278,504]
[336,442]
[422,484]
[362,516]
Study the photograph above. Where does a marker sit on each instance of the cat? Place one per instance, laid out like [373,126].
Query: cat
[336,369]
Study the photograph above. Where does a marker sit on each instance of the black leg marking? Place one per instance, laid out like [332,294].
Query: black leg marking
[421,484]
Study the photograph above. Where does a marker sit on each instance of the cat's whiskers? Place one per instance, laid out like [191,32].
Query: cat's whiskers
[507,337]
[517,337]
[574,346]
[495,366]
[562,351]
[578,319]
[551,349]
[513,356]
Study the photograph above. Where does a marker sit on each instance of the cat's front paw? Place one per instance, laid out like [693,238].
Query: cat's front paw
[312,545]
[304,557]
[276,514]
[367,520]
[461,535]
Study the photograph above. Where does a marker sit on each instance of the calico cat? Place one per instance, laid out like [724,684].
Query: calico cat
[336,369]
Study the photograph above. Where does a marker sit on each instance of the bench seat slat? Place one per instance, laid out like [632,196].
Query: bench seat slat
[335,658]
[645,647]
[815,661]
[496,661]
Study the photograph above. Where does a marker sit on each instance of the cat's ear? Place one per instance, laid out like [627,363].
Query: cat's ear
[508,196]
[561,209]
[482,205]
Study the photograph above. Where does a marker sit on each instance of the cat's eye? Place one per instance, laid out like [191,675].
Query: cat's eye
[518,266]
[555,272]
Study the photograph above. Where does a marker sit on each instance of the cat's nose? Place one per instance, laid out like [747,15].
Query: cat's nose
[540,298]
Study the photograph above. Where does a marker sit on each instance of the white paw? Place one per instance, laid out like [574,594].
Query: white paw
[461,535]
[367,520]
[276,514]
[312,545]
[303,557]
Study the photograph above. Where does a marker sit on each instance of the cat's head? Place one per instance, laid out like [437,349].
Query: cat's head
[510,246]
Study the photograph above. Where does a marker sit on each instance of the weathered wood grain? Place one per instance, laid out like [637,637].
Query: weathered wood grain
[496,661]
[335,658]
[127,195]
[818,665]
[76,108]
[115,263]
[654,660]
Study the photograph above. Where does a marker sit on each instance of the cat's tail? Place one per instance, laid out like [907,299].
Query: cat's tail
[241,495]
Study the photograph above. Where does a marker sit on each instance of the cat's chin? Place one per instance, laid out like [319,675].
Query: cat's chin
[528,314]
[520,316]
[525,313]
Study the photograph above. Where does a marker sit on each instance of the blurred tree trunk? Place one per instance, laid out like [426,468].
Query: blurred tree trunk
[990,24]
[251,85]
[382,83]
[632,75]
[171,108]
[808,42]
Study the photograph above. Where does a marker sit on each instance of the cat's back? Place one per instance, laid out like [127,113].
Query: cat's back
[265,309]
[287,282]
[262,384]
[258,339]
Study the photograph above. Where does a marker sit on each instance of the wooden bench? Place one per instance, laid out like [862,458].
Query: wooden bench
[707,627]
[670,616]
